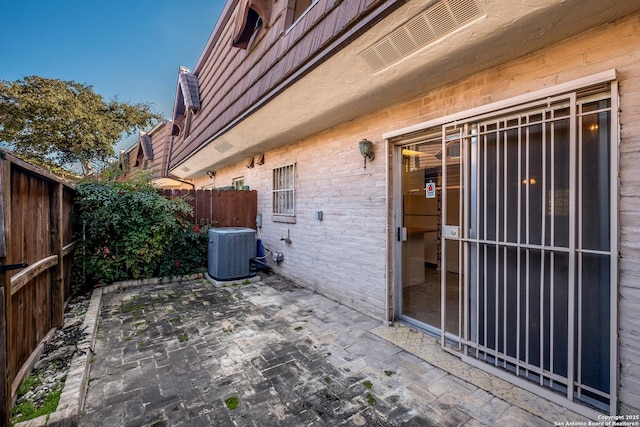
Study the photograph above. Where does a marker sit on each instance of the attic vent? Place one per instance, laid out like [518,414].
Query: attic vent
[429,26]
[223,146]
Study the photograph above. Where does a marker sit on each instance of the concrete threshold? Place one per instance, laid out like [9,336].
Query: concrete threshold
[429,349]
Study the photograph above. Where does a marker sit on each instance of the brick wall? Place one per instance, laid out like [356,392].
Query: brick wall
[344,256]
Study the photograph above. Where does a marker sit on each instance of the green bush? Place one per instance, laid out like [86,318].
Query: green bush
[129,231]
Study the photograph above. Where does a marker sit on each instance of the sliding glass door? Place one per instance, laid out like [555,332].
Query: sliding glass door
[508,242]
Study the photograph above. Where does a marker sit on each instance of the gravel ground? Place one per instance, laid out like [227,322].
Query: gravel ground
[51,369]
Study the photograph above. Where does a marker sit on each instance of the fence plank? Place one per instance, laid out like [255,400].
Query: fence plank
[215,209]
[56,202]
[3,247]
[35,227]
[203,207]
[5,301]
[190,197]
[68,199]
[5,395]
[220,208]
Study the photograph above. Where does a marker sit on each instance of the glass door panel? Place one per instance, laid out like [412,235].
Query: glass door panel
[508,242]
[430,260]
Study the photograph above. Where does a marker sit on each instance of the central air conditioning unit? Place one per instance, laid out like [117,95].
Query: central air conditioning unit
[230,252]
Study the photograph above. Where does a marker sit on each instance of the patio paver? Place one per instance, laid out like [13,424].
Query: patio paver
[182,353]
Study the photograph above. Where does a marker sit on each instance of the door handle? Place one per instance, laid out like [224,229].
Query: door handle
[401,234]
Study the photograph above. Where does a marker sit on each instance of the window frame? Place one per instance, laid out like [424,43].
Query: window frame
[283,194]
[235,181]
[246,36]
[580,87]
[291,13]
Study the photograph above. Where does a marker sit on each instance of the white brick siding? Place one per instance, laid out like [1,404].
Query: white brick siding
[344,255]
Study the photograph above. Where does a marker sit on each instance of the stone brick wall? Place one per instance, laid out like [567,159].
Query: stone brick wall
[344,256]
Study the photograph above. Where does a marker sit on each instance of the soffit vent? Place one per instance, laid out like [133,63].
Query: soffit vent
[429,26]
[223,146]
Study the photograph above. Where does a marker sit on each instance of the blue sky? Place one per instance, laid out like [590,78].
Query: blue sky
[126,49]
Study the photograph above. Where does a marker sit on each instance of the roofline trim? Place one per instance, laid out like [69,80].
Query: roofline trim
[384,8]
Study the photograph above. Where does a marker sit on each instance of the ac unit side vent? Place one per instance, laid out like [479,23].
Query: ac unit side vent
[429,26]
[230,252]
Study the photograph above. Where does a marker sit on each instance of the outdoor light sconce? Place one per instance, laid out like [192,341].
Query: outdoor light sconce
[211,174]
[250,163]
[260,159]
[366,150]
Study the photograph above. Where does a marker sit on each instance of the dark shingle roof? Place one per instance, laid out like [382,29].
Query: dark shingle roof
[189,88]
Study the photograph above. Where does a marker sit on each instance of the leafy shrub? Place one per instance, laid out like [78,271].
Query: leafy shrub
[187,252]
[129,231]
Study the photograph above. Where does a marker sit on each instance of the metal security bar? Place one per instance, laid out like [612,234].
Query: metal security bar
[539,243]
[284,190]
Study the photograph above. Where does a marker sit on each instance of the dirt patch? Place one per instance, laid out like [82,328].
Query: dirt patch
[40,391]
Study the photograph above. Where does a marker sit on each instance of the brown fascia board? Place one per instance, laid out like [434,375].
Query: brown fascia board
[176,100]
[158,126]
[374,14]
[149,132]
[132,146]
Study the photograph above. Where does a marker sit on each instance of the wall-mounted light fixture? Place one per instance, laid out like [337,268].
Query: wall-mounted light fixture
[366,150]
[211,174]
[250,163]
[260,159]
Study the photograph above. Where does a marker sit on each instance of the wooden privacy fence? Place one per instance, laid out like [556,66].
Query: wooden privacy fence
[220,208]
[35,229]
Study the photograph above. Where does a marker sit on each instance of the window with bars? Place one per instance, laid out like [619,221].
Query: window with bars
[284,191]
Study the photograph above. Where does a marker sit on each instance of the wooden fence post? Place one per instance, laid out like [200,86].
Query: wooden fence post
[57,231]
[5,380]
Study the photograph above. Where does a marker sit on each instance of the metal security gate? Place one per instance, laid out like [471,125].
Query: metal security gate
[535,240]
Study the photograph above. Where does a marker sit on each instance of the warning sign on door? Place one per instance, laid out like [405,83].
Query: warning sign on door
[431,190]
